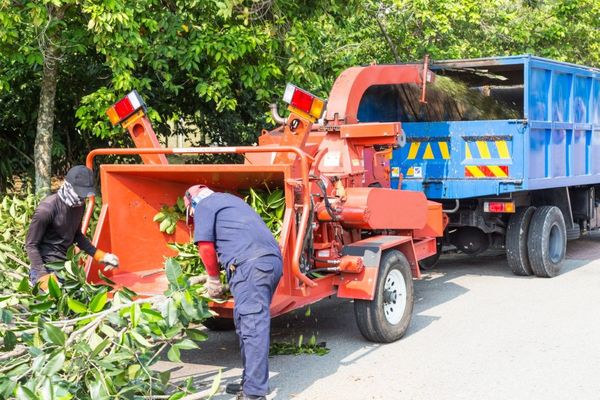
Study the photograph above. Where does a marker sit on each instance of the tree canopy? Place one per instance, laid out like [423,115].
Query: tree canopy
[213,66]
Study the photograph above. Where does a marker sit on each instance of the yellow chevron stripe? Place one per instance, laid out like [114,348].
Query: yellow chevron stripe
[468,151]
[444,150]
[428,153]
[484,151]
[414,149]
[497,171]
[502,149]
[475,171]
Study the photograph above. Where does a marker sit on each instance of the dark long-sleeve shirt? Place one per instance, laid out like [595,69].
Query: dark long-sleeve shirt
[54,228]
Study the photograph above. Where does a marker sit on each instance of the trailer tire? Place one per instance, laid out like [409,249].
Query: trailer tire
[219,324]
[547,241]
[386,318]
[516,241]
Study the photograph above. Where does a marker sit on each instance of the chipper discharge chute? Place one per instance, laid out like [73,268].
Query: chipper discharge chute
[344,230]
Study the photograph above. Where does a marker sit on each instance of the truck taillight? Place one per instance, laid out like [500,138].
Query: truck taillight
[499,206]
[125,107]
[304,101]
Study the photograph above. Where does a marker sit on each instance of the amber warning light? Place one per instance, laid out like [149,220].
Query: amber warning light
[126,107]
[299,99]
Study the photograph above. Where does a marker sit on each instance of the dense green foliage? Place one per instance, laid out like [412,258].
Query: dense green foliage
[209,68]
[74,341]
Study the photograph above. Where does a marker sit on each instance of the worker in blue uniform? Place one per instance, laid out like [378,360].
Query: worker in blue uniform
[230,233]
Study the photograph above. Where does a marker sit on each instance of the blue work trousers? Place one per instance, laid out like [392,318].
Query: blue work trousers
[252,286]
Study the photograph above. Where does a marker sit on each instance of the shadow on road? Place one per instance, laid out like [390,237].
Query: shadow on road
[332,320]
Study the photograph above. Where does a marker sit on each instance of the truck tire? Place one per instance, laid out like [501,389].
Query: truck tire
[516,241]
[429,262]
[547,241]
[219,324]
[386,318]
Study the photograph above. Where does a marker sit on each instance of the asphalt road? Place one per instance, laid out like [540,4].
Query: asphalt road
[477,332]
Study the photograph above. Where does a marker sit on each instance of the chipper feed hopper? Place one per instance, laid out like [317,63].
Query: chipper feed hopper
[345,231]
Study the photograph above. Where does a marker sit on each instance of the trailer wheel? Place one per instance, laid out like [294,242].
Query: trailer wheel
[386,318]
[219,324]
[516,241]
[547,241]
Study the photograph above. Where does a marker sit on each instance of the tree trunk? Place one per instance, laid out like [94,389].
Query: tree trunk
[42,151]
[45,122]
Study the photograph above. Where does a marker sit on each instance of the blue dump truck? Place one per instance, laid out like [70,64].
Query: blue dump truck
[526,180]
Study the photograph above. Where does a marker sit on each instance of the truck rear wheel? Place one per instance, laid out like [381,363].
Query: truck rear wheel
[516,241]
[547,241]
[386,318]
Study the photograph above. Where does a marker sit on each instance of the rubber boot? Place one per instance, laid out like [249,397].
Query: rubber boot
[243,396]
[233,388]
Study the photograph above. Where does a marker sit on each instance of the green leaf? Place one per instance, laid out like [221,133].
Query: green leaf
[174,354]
[152,315]
[140,339]
[188,305]
[159,217]
[164,377]
[169,312]
[164,224]
[196,335]
[24,286]
[98,302]
[177,396]
[10,341]
[180,204]
[41,307]
[133,370]
[215,385]
[186,344]
[99,348]
[173,271]
[25,394]
[134,313]
[6,316]
[105,278]
[53,288]
[54,334]
[54,365]
[76,306]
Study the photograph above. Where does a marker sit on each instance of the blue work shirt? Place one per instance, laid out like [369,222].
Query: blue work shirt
[238,232]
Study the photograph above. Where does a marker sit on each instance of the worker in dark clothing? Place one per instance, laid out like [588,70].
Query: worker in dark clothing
[226,226]
[56,225]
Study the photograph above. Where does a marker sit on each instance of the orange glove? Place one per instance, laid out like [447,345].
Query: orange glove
[109,260]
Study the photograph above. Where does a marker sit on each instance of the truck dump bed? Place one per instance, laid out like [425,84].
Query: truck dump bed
[552,141]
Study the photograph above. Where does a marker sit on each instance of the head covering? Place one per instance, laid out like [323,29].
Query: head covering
[194,194]
[67,194]
[81,179]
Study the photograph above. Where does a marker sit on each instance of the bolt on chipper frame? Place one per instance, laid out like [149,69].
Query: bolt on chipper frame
[345,231]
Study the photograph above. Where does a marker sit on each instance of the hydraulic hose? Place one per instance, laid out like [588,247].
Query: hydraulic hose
[328,207]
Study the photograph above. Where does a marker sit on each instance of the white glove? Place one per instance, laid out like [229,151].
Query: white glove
[110,261]
[214,287]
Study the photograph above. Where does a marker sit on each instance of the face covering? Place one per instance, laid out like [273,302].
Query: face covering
[68,196]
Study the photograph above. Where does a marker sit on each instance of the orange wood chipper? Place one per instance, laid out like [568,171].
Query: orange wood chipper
[345,231]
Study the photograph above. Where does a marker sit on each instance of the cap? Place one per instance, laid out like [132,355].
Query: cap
[82,180]
[196,193]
